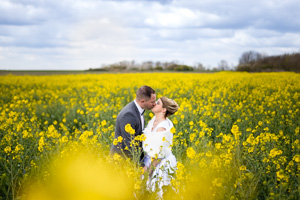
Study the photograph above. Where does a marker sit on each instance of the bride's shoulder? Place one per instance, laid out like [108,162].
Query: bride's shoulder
[170,123]
[167,124]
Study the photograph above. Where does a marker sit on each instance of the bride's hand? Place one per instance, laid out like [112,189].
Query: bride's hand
[145,169]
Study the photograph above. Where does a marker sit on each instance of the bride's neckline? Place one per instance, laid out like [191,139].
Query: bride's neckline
[152,129]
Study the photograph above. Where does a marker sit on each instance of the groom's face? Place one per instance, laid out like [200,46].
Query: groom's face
[150,103]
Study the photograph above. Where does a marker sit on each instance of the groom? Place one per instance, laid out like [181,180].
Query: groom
[133,114]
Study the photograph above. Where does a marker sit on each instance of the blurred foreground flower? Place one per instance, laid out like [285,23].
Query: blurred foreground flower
[83,176]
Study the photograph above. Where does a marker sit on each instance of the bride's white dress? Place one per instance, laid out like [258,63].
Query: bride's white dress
[158,145]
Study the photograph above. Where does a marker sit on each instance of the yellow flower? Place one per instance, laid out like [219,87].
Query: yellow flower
[7,149]
[251,149]
[274,152]
[175,121]
[201,134]
[218,145]
[192,136]
[137,186]
[173,130]
[33,164]
[41,144]
[25,133]
[180,171]
[234,129]
[220,135]
[243,168]
[116,157]
[191,153]
[191,123]
[115,142]
[103,123]
[129,129]
[120,139]
[18,148]
[217,182]
[296,158]
[64,139]
[137,138]
[280,175]
[143,137]
[208,154]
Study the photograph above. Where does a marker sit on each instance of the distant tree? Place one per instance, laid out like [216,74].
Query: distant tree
[250,57]
[223,65]
[158,64]
[148,65]
[159,68]
[170,65]
[199,67]
[183,68]
[123,65]
[285,62]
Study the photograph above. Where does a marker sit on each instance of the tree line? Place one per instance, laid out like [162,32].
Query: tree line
[250,61]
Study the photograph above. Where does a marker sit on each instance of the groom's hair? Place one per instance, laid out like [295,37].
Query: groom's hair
[144,92]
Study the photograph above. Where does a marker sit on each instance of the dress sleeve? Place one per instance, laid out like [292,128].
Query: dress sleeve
[165,124]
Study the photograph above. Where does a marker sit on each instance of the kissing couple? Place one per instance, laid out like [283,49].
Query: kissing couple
[154,151]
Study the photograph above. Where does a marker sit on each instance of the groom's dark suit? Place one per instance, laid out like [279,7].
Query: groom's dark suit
[128,115]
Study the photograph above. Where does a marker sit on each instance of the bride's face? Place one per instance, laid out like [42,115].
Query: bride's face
[158,107]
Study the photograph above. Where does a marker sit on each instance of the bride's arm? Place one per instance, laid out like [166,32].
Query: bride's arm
[160,129]
[153,165]
[155,162]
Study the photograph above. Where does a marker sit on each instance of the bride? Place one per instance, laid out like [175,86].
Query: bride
[159,160]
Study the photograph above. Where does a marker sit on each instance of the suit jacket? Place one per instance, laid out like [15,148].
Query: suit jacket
[128,115]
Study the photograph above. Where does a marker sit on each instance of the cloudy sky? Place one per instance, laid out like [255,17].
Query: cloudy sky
[83,34]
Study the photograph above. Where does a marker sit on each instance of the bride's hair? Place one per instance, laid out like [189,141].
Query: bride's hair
[170,105]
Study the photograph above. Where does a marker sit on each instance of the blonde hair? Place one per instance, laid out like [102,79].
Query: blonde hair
[170,105]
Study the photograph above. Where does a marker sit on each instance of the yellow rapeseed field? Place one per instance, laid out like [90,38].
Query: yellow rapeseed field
[236,136]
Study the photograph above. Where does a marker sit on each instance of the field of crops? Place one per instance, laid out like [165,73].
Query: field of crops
[237,136]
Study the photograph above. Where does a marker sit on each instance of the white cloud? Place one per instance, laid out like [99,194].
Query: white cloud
[79,34]
[19,14]
[178,18]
